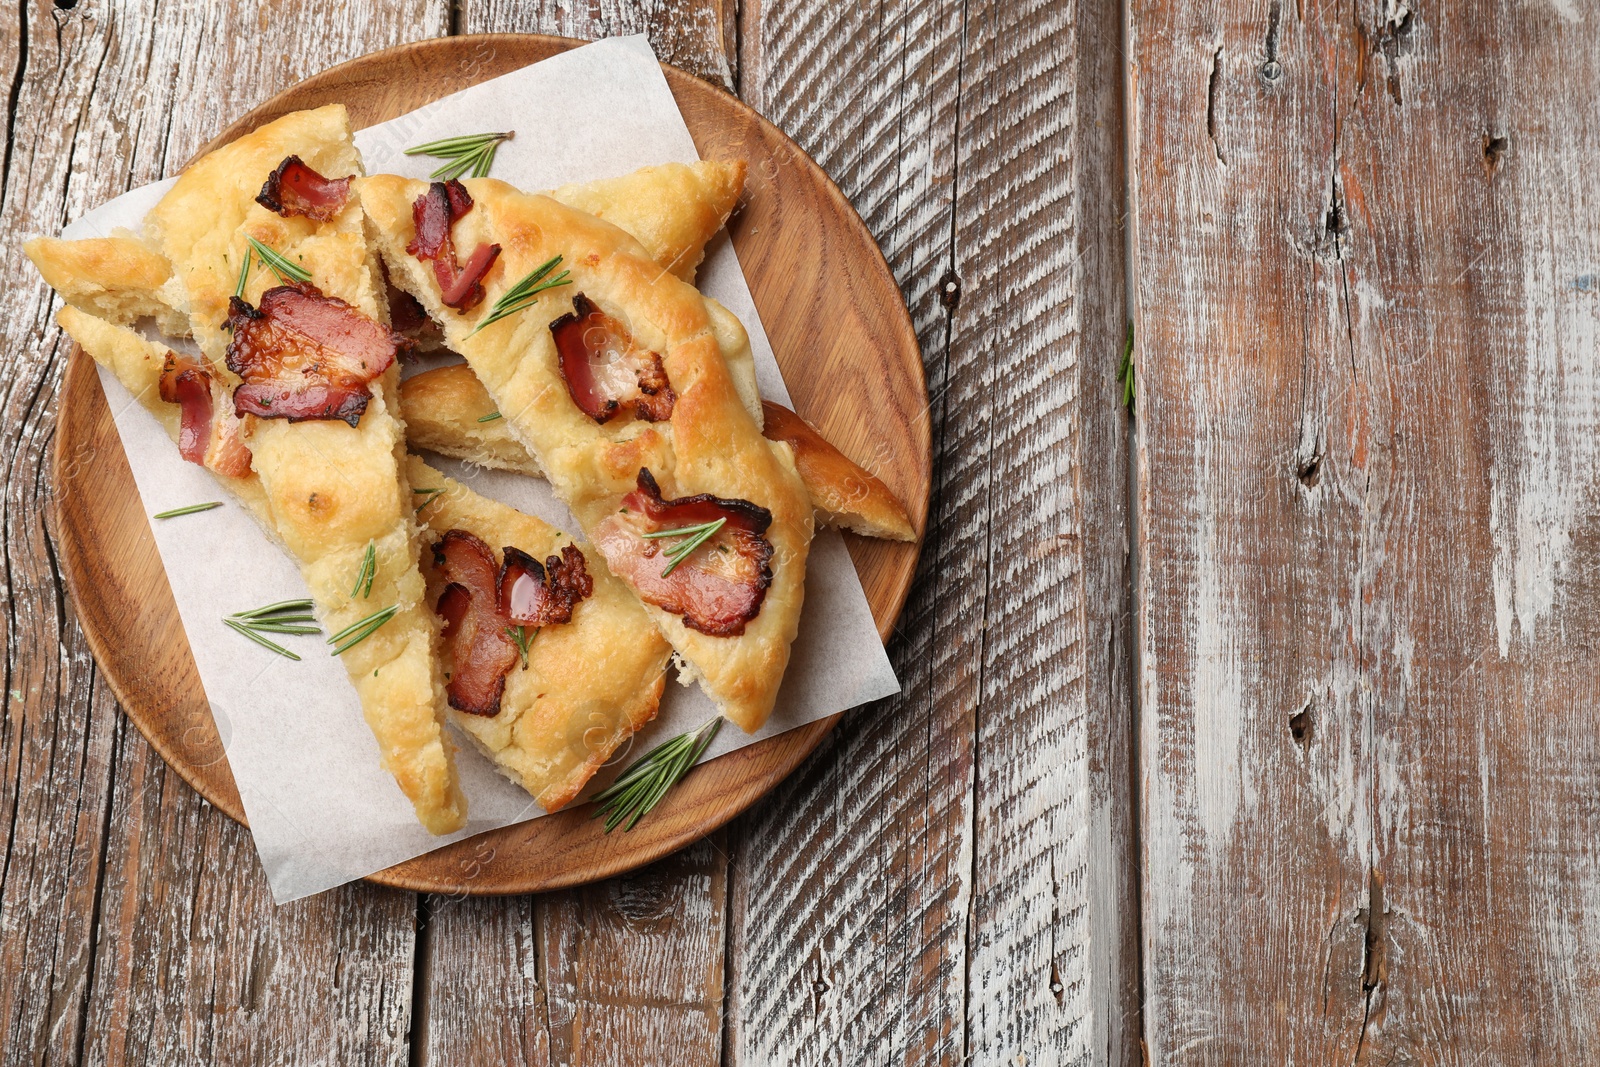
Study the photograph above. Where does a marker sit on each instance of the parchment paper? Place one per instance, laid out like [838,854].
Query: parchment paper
[322,810]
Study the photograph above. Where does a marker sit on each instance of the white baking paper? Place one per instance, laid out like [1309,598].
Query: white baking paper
[322,810]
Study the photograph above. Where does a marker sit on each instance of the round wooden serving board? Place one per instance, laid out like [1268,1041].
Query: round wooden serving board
[849,356]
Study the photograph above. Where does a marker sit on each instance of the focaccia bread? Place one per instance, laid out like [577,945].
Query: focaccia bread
[448,411]
[120,279]
[661,436]
[672,209]
[585,686]
[314,420]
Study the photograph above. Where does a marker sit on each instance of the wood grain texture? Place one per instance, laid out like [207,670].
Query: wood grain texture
[699,36]
[133,922]
[919,892]
[1367,355]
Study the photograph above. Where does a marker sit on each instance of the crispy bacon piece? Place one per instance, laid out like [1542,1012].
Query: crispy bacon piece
[481,652]
[606,370]
[304,355]
[207,435]
[481,605]
[534,595]
[295,189]
[433,213]
[188,384]
[717,589]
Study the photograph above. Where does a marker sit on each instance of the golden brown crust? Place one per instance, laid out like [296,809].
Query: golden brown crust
[710,444]
[120,279]
[843,493]
[444,409]
[589,684]
[672,209]
[330,489]
[448,411]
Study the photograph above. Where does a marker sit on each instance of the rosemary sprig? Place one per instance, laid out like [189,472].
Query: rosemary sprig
[275,261]
[472,153]
[368,571]
[284,617]
[428,497]
[522,295]
[357,632]
[640,788]
[192,509]
[695,537]
[490,417]
[523,639]
[1125,372]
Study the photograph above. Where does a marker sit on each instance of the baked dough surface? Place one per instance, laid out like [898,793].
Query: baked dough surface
[709,445]
[590,684]
[325,490]
[446,408]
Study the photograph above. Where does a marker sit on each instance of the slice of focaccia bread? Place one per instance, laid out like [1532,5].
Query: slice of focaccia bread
[307,355]
[569,692]
[448,411]
[613,377]
[120,279]
[672,209]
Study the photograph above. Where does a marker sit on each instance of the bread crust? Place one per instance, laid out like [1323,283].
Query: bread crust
[672,209]
[589,685]
[843,493]
[709,445]
[445,409]
[330,490]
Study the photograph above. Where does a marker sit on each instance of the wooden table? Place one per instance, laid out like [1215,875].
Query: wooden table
[1256,728]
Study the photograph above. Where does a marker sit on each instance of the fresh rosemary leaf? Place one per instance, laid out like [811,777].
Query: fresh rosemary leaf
[368,571]
[244,274]
[695,537]
[523,294]
[490,417]
[357,632]
[470,153]
[640,788]
[274,261]
[247,631]
[523,639]
[192,509]
[281,607]
[428,497]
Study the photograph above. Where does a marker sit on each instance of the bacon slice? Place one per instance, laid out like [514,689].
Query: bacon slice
[717,589]
[295,189]
[188,384]
[480,605]
[433,213]
[481,652]
[605,369]
[228,455]
[304,355]
[531,595]
[207,433]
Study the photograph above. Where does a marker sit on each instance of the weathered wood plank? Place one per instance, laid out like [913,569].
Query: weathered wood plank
[618,972]
[1368,557]
[1098,282]
[699,36]
[629,970]
[920,892]
[851,881]
[134,923]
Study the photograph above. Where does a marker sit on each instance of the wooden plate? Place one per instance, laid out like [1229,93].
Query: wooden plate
[848,353]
